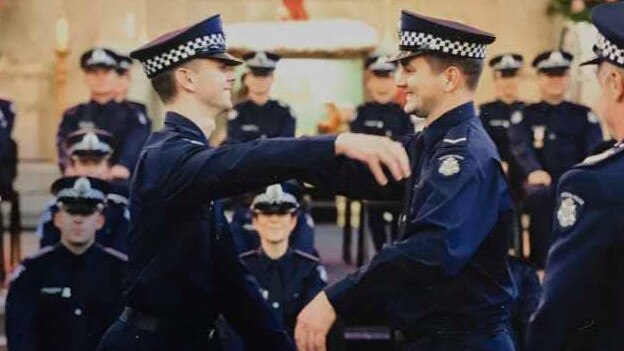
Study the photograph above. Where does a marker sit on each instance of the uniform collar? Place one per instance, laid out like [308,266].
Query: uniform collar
[436,130]
[185,126]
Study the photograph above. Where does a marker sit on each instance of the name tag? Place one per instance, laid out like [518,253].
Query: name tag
[499,123]
[250,128]
[374,124]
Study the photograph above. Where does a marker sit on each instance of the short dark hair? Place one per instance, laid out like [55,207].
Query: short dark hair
[165,85]
[471,68]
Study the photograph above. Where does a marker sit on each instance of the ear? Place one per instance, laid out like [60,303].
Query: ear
[101,220]
[56,219]
[184,78]
[293,221]
[616,84]
[452,78]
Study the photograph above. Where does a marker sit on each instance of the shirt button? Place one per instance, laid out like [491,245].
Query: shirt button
[276,305]
[78,312]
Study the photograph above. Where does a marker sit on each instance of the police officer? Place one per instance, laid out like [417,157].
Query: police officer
[103,112]
[90,152]
[445,284]
[64,297]
[382,116]
[124,63]
[529,290]
[547,139]
[260,116]
[302,237]
[496,115]
[184,269]
[289,278]
[582,306]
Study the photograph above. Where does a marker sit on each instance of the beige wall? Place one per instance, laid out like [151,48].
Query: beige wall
[27,41]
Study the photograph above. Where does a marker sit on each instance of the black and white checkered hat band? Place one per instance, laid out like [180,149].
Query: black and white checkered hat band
[604,48]
[209,43]
[409,40]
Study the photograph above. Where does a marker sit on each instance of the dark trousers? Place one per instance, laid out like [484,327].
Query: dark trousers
[539,205]
[124,337]
[499,341]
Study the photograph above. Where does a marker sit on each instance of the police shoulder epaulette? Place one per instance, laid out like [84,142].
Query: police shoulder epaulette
[44,251]
[283,104]
[601,157]
[456,136]
[118,199]
[247,253]
[72,110]
[120,255]
[306,255]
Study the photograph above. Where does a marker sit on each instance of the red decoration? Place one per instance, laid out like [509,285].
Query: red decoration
[296,10]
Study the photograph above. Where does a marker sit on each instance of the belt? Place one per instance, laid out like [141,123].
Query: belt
[140,320]
[445,331]
[152,324]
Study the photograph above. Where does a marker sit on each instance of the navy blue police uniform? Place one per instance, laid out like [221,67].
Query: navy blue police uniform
[248,120]
[582,306]
[496,118]
[62,301]
[120,119]
[184,270]
[552,138]
[529,290]
[8,148]
[94,144]
[288,283]
[385,119]
[445,284]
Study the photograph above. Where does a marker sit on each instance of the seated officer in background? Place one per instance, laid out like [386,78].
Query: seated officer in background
[547,138]
[302,237]
[527,297]
[288,278]
[102,112]
[496,115]
[124,63]
[582,306]
[382,116]
[65,296]
[90,152]
[260,116]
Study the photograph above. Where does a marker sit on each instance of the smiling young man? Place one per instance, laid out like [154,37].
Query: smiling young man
[444,285]
[184,270]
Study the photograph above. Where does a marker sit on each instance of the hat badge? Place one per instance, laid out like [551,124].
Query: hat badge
[556,57]
[261,57]
[99,55]
[82,186]
[507,61]
[91,140]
